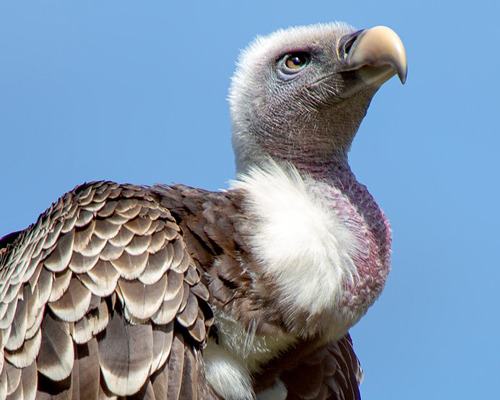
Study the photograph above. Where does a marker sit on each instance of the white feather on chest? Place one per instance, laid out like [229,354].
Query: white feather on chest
[298,238]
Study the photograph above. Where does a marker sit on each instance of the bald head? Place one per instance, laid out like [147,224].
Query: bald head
[299,95]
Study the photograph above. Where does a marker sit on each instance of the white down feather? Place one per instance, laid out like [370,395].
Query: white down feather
[297,237]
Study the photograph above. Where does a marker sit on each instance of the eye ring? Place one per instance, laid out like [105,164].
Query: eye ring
[294,62]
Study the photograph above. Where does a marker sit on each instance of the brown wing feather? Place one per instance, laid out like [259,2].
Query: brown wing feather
[329,373]
[96,301]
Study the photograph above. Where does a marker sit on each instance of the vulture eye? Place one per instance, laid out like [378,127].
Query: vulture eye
[294,62]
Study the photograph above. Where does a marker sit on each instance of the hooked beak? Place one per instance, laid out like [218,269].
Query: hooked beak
[376,55]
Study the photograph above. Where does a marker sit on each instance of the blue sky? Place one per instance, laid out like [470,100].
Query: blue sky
[137,93]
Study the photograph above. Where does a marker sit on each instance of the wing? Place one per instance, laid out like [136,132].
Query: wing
[101,299]
[313,372]
[331,373]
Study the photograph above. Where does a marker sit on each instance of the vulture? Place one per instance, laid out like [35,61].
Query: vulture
[121,291]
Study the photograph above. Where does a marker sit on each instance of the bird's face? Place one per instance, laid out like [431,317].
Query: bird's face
[304,75]
[306,90]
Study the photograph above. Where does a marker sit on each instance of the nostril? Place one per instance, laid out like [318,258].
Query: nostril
[347,42]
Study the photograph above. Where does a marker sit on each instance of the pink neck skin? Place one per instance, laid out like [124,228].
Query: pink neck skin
[352,204]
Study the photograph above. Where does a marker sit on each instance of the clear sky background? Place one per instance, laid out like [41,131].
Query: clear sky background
[136,92]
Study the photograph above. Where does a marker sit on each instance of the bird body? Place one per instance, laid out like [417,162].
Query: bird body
[176,292]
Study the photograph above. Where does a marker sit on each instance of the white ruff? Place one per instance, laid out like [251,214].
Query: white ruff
[303,247]
[299,241]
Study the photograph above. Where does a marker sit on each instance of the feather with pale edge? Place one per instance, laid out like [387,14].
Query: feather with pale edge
[67,322]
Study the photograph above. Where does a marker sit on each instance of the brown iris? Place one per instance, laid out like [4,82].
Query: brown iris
[296,61]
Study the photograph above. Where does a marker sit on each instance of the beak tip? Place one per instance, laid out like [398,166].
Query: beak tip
[402,75]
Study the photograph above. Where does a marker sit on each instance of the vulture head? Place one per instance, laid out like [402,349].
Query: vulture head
[299,95]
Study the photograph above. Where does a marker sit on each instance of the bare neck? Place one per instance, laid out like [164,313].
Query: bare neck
[334,171]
